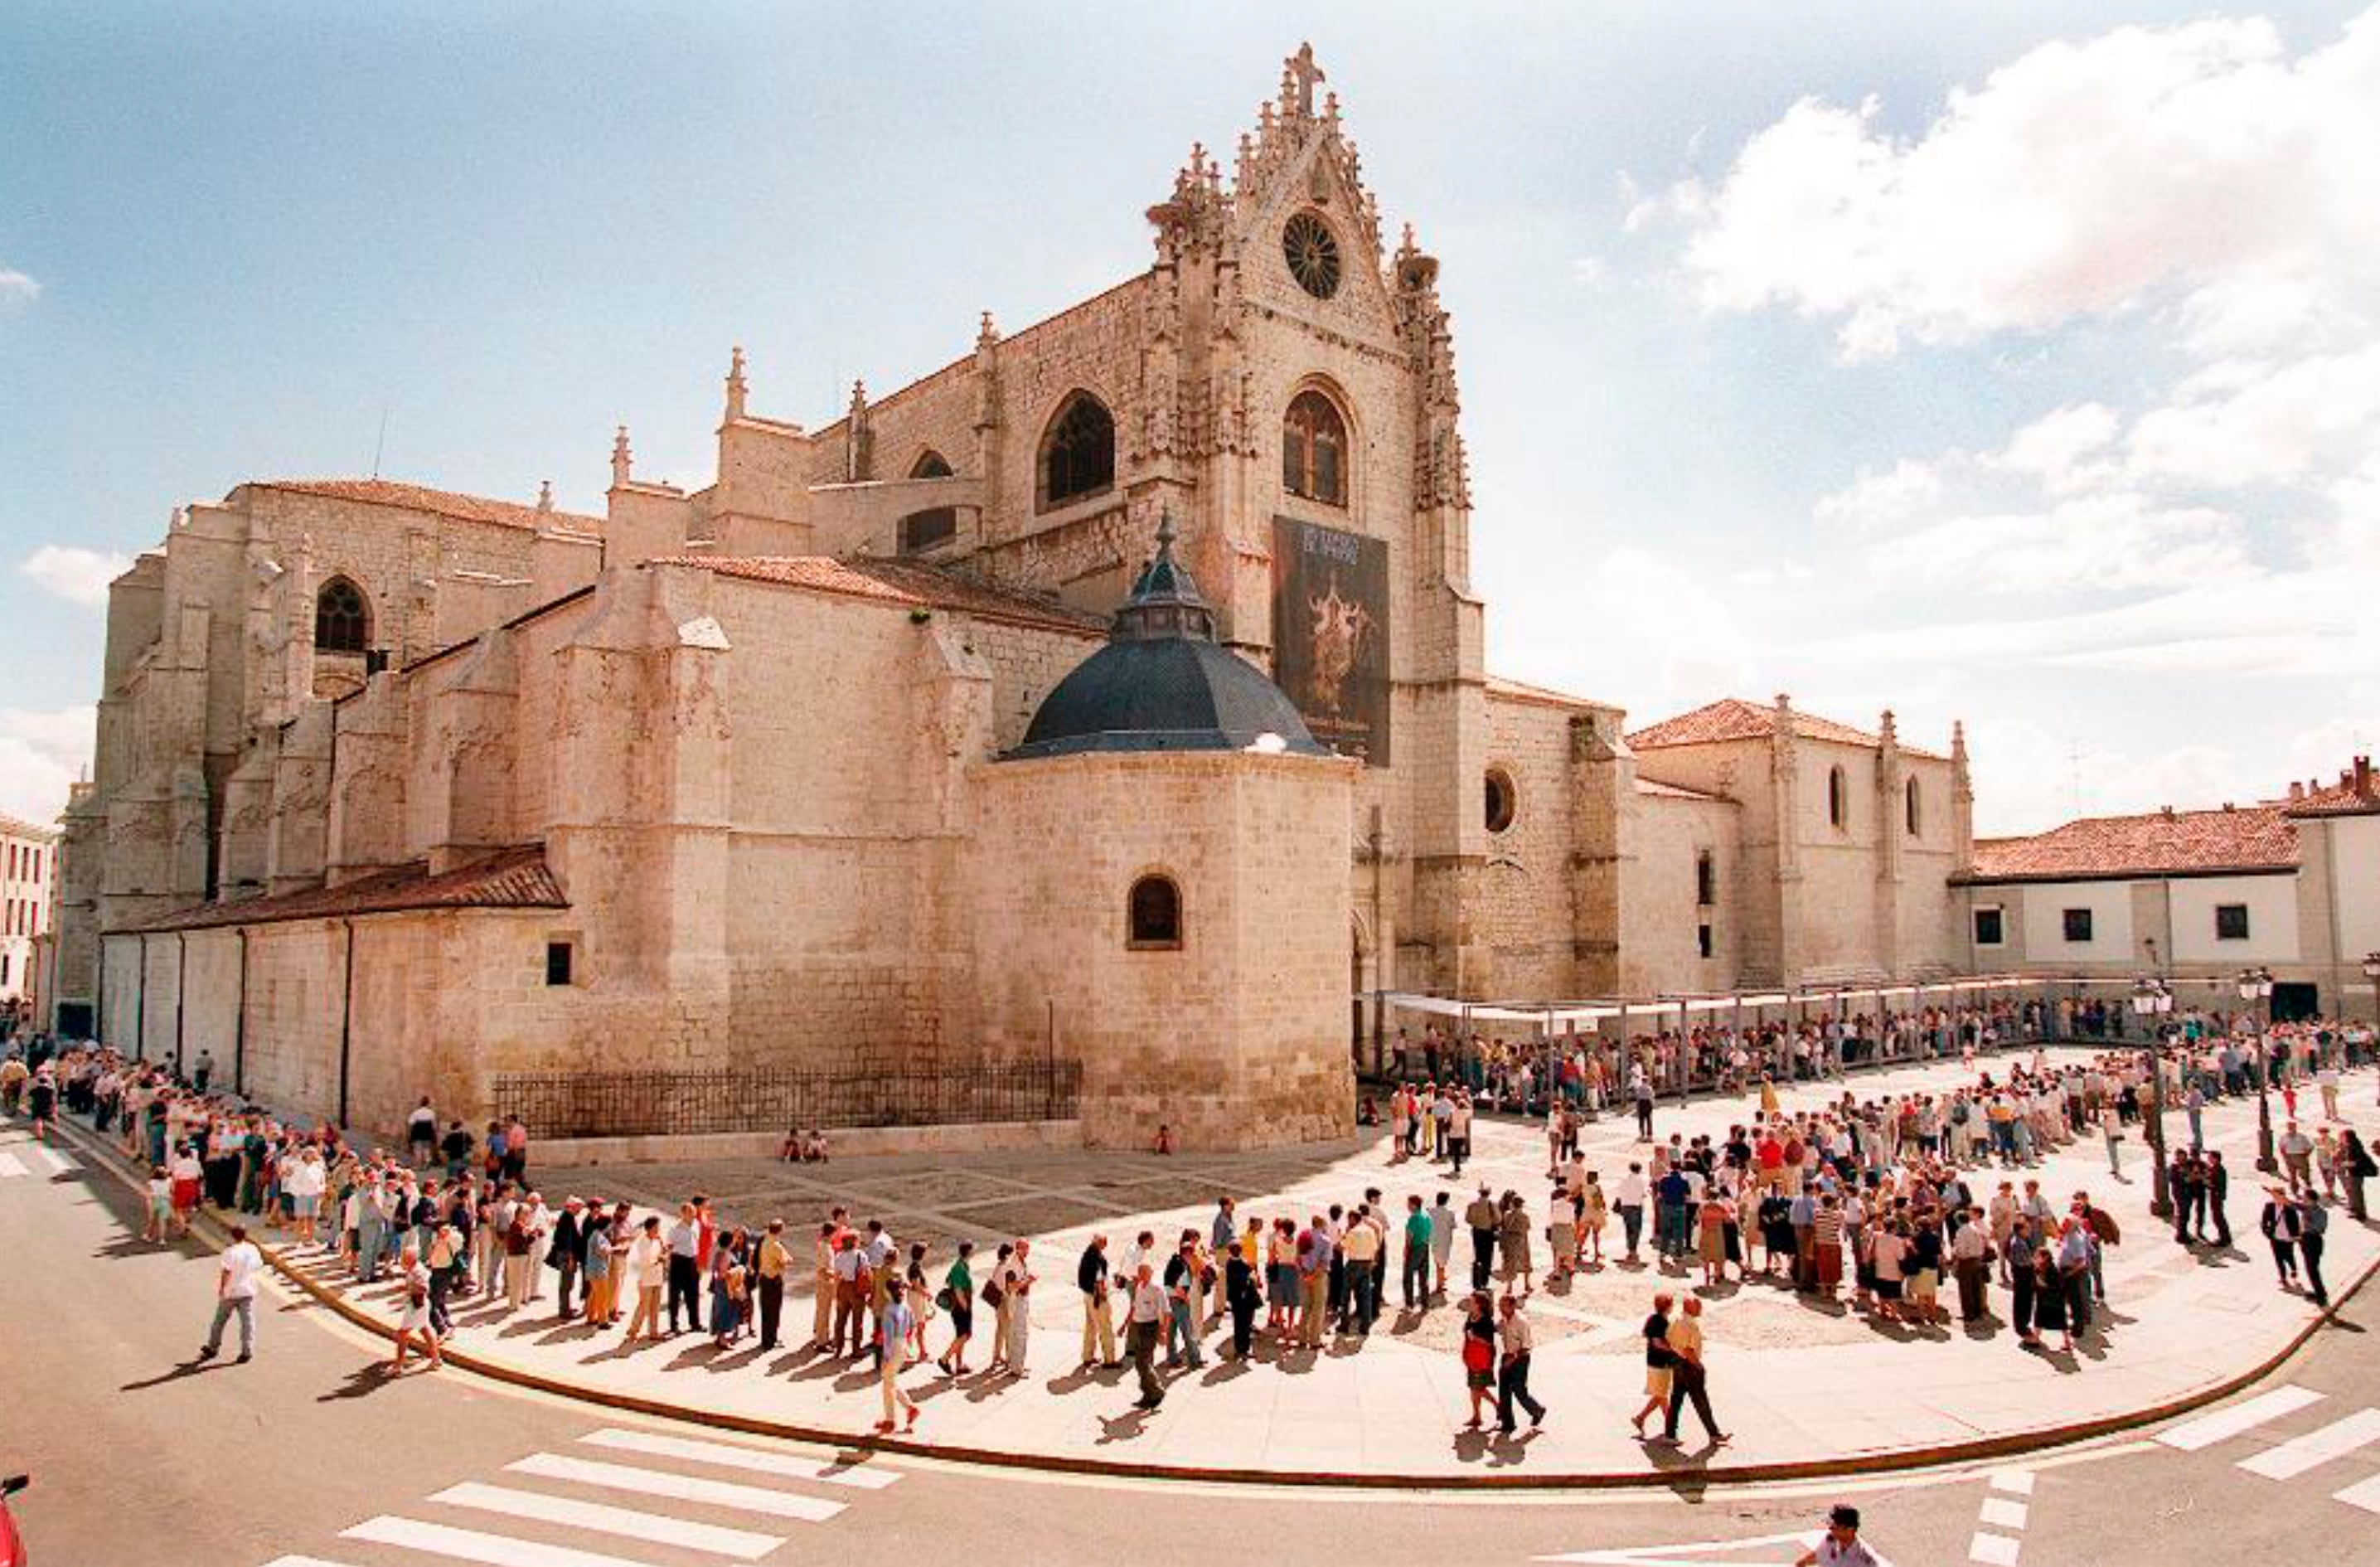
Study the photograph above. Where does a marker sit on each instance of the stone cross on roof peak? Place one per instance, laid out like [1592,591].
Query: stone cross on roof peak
[1301,67]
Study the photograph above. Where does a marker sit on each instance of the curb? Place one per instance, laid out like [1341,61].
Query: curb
[1697,1478]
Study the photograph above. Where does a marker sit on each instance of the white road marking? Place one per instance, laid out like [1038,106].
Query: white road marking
[2002,1513]
[742,1544]
[2016,1482]
[470,1545]
[679,1488]
[2365,1494]
[10,1166]
[792,1467]
[58,1162]
[2337,1439]
[302,1561]
[2225,1423]
[1708,1553]
[1993,1551]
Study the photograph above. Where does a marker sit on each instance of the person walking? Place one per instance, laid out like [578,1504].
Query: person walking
[958,1298]
[1478,1354]
[770,1271]
[2281,1223]
[413,1324]
[235,1274]
[1690,1381]
[1484,1219]
[892,1330]
[1515,1339]
[2314,1224]
[1660,1364]
[1098,1320]
[1147,1316]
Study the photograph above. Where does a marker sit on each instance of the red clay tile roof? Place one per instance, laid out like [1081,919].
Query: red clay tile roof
[514,878]
[1732,718]
[1660,790]
[2189,842]
[899,582]
[1519,691]
[440,502]
[2336,799]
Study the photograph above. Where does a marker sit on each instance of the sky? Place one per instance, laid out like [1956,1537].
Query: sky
[2011,362]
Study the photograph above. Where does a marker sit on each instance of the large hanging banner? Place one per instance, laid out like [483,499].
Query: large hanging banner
[1330,634]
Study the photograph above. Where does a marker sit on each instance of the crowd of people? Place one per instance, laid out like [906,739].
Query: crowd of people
[1892,1202]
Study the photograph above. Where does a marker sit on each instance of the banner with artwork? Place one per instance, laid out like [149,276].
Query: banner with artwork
[1330,634]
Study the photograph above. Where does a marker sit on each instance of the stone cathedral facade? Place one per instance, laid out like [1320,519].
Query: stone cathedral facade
[399,790]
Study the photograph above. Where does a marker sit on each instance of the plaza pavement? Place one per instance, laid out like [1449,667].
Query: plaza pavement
[1804,1387]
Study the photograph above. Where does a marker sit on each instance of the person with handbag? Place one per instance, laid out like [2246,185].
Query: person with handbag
[957,1297]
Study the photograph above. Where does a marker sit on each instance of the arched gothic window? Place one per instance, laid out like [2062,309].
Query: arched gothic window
[935,524]
[1313,450]
[1839,803]
[1916,816]
[932,465]
[1154,912]
[341,623]
[1078,453]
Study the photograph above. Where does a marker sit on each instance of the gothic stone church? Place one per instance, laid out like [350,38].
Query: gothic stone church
[1115,692]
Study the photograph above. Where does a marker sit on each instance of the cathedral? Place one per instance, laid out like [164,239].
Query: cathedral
[1113,695]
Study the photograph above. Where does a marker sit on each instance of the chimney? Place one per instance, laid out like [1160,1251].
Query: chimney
[2363,778]
[2164,811]
[2297,791]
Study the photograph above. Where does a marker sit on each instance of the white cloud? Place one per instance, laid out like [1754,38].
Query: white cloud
[1899,494]
[40,754]
[2194,167]
[16,287]
[2317,413]
[2052,449]
[78,575]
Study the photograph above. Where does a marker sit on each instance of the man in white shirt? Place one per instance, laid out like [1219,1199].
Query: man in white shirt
[236,1295]
[1148,1310]
[1840,1546]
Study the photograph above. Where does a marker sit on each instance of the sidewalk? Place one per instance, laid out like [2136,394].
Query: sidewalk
[1806,1388]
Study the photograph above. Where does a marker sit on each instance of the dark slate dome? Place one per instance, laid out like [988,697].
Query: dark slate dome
[1162,684]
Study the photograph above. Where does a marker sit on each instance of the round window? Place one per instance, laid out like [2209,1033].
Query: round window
[1502,799]
[1312,251]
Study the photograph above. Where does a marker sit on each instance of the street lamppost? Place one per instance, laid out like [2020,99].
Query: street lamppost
[2256,985]
[2372,972]
[2151,1002]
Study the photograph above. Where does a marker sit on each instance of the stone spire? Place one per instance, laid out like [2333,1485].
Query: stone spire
[735,382]
[545,495]
[1962,800]
[857,443]
[621,460]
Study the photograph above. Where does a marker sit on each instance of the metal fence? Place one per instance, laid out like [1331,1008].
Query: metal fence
[679,1104]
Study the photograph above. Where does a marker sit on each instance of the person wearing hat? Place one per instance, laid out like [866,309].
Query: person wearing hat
[1840,1546]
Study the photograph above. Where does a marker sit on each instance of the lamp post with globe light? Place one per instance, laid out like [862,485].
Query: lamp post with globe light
[2256,985]
[2151,1002]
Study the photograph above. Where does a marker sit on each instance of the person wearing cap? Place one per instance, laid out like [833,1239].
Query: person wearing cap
[1840,1546]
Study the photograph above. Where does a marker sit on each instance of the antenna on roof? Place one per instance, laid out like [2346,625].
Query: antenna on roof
[381,443]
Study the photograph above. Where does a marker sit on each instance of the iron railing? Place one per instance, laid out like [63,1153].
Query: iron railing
[680,1103]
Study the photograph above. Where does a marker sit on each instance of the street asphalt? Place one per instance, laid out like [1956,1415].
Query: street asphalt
[311,1454]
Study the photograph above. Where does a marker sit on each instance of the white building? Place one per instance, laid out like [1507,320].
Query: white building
[29,858]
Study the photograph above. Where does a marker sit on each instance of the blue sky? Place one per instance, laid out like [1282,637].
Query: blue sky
[1999,361]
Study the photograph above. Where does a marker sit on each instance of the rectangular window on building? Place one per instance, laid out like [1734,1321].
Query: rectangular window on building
[557,962]
[3,969]
[1703,939]
[1990,927]
[1705,881]
[2078,924]
[2230,922]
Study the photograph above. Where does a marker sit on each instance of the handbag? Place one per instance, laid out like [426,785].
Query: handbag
[1477,1355]
[944,1298]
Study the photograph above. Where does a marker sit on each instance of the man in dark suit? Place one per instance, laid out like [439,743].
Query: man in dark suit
[2282,1226]
[568,1251]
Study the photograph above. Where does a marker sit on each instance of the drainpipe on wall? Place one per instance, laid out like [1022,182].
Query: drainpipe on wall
[181,983]
[140,1007]
[239,1024]
[346,1020]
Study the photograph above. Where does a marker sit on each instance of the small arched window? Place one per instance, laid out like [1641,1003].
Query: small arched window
[1839,804]
[1078,454]
[1503,800]
[1313,450]
[1915,816]
[931,464]
[935,524]
[1154,912]
[341,623]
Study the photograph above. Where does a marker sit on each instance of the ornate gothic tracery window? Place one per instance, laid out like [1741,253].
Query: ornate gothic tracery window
[341,623]
[1078,453]
[1312,252]
[1313,450]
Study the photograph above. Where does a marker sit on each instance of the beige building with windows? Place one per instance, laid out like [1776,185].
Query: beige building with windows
[891,747]
[2289,885]
[28,860]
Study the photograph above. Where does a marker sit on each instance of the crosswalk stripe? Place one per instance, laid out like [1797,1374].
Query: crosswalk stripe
[2225,1423]
[302,1561]
[680,1488]
[470,1545]
[2365,1494]
[58,1162]
[718,1539]
[655,1445]
[9,1165]
[2002,1513]
[1993,1551]
[2337,1439]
